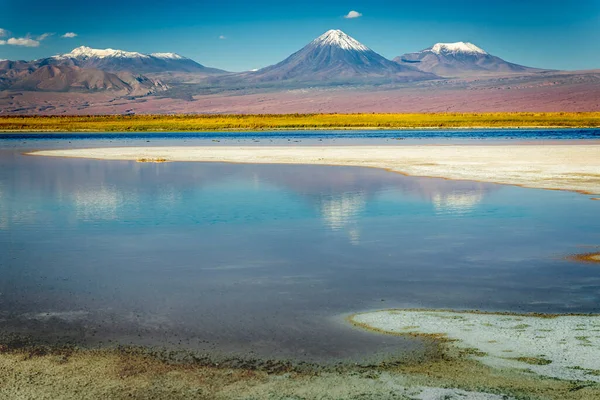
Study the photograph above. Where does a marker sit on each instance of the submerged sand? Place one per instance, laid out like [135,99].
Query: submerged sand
[574,167]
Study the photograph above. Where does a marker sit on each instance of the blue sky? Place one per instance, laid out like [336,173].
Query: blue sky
[241,35]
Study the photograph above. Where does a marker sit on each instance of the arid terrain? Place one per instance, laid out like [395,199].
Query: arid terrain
[233,200]
[547,92]
[334,73]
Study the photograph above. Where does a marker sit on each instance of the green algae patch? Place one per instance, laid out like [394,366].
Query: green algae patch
[533,360]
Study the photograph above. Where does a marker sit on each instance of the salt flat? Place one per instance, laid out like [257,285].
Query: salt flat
[564,347]
[574,167]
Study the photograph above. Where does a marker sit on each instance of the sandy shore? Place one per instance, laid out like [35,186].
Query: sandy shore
[574,167]
[117,375]
[564,347]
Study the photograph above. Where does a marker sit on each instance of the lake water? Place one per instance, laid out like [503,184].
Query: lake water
[266,260]
[380,136]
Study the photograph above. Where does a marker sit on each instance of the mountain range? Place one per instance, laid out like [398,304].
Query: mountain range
[32,76]
[119,60]
[91,70]
[333,58]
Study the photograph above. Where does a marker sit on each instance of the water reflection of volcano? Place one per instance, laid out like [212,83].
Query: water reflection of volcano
[457,202]
[97,204]
[341,213]
[339,210]
[98,189]
[343,192]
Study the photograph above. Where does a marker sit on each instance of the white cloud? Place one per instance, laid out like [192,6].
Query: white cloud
[27,42]
[22,41]
[69,35]
[353,14]
[222,37]
[44,36]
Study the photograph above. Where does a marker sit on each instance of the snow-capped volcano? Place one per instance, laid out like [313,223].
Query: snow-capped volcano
[120,60]
[336,57]
[459,59]
[335,37]
[455,48]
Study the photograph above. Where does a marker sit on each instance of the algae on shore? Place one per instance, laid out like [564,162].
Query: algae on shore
[450,369]
[152,160]
[135,373]
[586,257]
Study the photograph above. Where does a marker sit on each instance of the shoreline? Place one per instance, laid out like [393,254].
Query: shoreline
[568,167]
[451,369]
[562,346]
[454,368]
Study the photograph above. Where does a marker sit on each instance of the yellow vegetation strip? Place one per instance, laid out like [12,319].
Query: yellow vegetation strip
[190,123]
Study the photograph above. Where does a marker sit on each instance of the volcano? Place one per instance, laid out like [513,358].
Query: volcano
[334,57]
[460,59]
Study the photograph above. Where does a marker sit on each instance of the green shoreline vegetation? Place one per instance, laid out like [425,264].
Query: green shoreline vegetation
[247,122]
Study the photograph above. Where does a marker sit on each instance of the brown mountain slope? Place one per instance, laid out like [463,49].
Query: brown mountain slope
[64,78]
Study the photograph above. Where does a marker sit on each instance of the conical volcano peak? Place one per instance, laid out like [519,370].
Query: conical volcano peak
[337,57]
[337,38]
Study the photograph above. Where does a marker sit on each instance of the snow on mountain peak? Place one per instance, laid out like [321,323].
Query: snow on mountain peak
[169,56]
[458,47]
[87,52]
[335,37]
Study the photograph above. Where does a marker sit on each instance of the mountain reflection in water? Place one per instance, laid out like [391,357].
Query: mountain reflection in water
[266,258]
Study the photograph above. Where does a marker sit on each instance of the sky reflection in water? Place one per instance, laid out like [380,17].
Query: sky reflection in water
[263,258]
